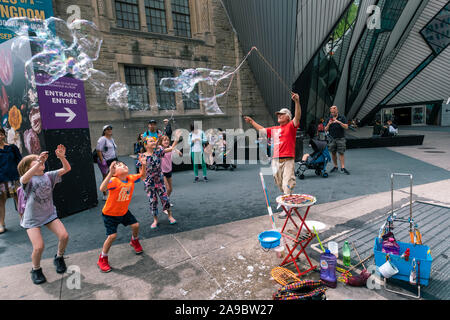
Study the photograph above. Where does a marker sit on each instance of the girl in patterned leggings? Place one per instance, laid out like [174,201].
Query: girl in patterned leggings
[154,182]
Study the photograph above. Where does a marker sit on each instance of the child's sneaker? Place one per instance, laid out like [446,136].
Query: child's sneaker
[103,264]
[37,276]
[206,179]
[195,179]
[136,245]
[60,264]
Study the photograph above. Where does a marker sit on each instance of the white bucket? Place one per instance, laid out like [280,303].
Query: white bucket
[334,248]
[279,251]
[388,270]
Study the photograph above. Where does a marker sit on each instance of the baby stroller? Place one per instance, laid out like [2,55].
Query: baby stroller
[317,161]
[218,150]
[221,153]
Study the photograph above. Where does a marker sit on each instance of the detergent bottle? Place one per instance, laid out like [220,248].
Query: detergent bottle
[346,254]
[328,269]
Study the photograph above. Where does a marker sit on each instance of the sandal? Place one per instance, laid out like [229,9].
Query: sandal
[173,222]
[154,226]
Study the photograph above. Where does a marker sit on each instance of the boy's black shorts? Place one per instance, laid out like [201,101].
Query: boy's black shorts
[111,223]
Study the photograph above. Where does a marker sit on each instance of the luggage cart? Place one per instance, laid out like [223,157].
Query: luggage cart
[420,259]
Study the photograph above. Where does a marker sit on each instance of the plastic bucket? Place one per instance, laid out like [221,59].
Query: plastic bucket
[419,252]
[269,239]
[388,270]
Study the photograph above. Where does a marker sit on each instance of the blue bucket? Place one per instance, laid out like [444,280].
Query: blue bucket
[269,239]
[419,252]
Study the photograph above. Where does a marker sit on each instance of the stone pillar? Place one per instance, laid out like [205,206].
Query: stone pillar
[110,10]
[101,8]
[142,16]
[152,91]
[203,23]
[179,103]
[169,18]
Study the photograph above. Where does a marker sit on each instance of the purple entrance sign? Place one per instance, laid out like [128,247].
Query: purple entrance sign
[63,105]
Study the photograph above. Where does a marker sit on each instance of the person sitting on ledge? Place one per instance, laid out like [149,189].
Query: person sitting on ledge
[377,129]
[389,130]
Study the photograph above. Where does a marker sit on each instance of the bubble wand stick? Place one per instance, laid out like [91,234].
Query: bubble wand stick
[269,208]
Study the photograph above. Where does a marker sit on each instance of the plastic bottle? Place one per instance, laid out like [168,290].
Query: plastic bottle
[346,254]
[328,269]
[334,248]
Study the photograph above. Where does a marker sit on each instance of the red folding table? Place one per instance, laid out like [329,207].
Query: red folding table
[301,240]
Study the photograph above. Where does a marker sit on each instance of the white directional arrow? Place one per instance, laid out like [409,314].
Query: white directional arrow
[70,114]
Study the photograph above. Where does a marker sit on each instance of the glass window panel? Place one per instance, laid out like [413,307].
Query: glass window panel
[181,18]
[124,14]
[370,47]
[156,16]
[325,69]
[136,80]
[191,101]
[166,100]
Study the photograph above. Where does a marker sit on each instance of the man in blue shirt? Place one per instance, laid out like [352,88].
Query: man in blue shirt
[152,131]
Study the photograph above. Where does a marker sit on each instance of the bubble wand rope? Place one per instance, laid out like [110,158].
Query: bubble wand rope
[232,74]
[239,67]
[272,69]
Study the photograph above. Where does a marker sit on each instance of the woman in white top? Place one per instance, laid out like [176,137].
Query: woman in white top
[106,151]
[196,140]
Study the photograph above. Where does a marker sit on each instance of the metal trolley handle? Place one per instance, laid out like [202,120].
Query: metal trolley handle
[410,193]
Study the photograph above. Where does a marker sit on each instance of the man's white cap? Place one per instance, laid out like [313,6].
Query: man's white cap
[285,111]
[107,126]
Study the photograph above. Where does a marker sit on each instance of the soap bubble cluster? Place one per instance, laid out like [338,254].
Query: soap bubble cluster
[59,49]
[202,84]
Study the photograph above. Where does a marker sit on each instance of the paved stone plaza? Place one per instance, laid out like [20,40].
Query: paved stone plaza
[213,251]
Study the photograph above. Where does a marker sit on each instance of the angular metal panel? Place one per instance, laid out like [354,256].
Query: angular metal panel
[431,84]
[315,19]
[269,25]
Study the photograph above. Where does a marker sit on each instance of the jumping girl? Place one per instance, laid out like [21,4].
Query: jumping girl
[154,182]
[166,163]
[40,210]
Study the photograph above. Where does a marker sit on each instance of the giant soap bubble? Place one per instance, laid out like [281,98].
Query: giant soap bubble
[202,84]
[59,49]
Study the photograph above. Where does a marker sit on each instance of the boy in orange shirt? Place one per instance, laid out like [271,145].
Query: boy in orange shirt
[120,186]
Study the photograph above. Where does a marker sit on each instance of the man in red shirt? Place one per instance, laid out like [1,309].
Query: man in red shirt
[283,136]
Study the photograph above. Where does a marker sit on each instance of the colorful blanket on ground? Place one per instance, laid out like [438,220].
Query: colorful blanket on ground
[302,290]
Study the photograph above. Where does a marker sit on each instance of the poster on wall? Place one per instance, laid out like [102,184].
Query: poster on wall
[20,113]
[32,9]
[19,107]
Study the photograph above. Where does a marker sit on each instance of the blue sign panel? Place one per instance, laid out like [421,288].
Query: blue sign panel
[33,9]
